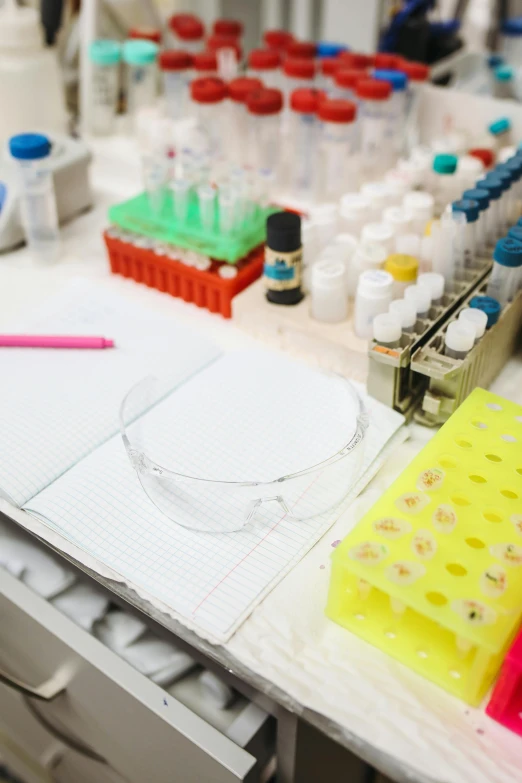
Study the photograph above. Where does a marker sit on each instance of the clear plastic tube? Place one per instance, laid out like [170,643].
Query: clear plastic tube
[337,158]
[141,86]
[105,82]
[155,174]
[227,209]
[207,207]
[180,194]
[304,133]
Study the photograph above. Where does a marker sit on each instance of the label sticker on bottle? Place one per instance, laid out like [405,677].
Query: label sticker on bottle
[282,271]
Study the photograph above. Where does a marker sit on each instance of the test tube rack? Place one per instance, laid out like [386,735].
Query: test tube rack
[137,215]
[418,380]
[151,263]
[432,574]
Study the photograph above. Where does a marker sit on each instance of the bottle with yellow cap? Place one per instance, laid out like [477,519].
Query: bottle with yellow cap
[404,270]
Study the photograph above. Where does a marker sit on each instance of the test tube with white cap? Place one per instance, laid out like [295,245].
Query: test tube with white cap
[459,339]
[406,311]
[355,212]
[207,206]
[422,206]
[477,318]
[435,282]
[466,232]
[445,185]
[387,330]
[329,298]
[420,297]
[382,233]
[373,296]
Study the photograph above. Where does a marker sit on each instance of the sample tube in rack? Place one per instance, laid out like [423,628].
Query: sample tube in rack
[345,82]
[355,212]
[327,68]
[445,185]
[237,126]
[180,189]
[207,207]
[387,329]
[406,311]
[459,339]
[366,256]
[422,207]
[382,233]
[265,64]
[491,307]
[278,40]
[373,296]
[204,64]
[505,276]
[435,282]
[466,238]
[329,297]
[379,195]
[304,130]
[140,60]
[376,148]
[105,57]
[188,32]
[477,318]
[397,106]
[494,189]
[175,67]
[420,297]
[264,109]
[481,197]
[336,147]
[208,97]
[229,54]
[404,271]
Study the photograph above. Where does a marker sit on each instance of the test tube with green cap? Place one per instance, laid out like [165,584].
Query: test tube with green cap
[500,129]
[466,234]
[140,59]
[505,276]
[105,57]
[445,183]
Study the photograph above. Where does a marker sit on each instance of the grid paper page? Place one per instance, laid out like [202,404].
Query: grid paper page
[58,405]
[211,581]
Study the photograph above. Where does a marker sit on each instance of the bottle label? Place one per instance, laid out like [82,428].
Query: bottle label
[282,271]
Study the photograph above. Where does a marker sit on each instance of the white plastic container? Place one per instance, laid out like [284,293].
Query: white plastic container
[380,233]
[379,195]
[373,296]
[37,196]
[336,150]
[31,88]
[422,206]
[176,67]
[406,312]
[435,283]
[459,339]
[329,298]
[400,219]
[141,74]
[105,57]
[387,329]
[477,318]
[264,116]
[366,256]
[420,297]
[355,212]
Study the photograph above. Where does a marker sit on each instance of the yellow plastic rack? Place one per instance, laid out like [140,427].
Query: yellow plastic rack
[432,574]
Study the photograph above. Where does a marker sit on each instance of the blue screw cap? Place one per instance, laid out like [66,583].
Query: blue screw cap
[469,207]
[445,164]
[493,187]
[512,27]
[503,170]
[330,49]
[489,306]
[499,126]
[515,232]
[397,79]
[514,164]
[29,146]
[501,179]
[479,195]
[508,252]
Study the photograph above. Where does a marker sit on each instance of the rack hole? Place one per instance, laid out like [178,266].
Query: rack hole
[477,479]
[509,438]
[475,543]
[463,443]
[448,462]
[493,458]
[422,653]
[479,425]
[492,516]
[456,569]
[493,406]
[437,599]
[455,674]
[360,616]
[461,500]
[509,494]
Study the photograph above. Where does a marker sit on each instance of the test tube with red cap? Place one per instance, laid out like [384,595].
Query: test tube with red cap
[229,54]
[326,76]
[346,81]
[176,68]
[277,39]
[264,109]
[265,64]
[208,97]
[188,32]
[297,73]
[231,28]
[204,64]
[301,49]
[355,60]
[337,147]
[304,127]
[237,126]
[376,144]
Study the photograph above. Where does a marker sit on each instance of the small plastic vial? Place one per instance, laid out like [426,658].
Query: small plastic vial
[399,218]
[477,318]
[488,305]
[188,32]
[140,59]
[105,57]
[283,258]
[345,82]
[459,339]
[237,125]
[204,64]
[265,64]
[208,96]
[406,312]
[329,297]
[493,187]
[422,207]
[175,66]
[397,107]
[420,297]
[481,197]
[366,256]
[418,74]
[465,238]
[505,276]
[404,270]
[326,78]
[445,184]
[373,296]
[37,196]
[381,233]
[297,73]
[264,111]
[387,330]
[500,130]
[336,146]
[304,133]
[355,212]
[376,143]
[435,283]
[277,39]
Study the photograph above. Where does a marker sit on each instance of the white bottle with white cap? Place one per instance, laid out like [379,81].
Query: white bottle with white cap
[381,233]
[329,297]
[406,312]
[367,255]
[374,295]
[420,297]
[459,339]
[422,206]
[378,194]
[408,245]
[435,284]
[477,318]
[399,218]
[355,212]
[387,330]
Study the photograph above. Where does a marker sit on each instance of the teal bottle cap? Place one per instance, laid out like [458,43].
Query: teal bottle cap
[469,207]
[445,164]
[503,73]
[499,126]
[137,52]
[105,52]
[508,252]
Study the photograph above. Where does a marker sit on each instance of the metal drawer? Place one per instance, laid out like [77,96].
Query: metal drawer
[99,701]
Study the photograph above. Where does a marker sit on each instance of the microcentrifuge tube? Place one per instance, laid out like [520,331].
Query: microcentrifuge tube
[180,193]
[206,195]
[227,210]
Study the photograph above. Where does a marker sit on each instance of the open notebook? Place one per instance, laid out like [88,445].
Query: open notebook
[63,460]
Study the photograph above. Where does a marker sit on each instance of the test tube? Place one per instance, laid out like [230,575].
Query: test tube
[175,67]
[180,194]
[337,146]
[459,339]
[488,305]
[435,282]
[494,190]
[237,126]
[188,32]
[466,235]
[381,233]
[445,185]
[481,234]
[500,131]
[387,330]
[264,109]
[406,311]
[376,145]
[204,65]
[207,207]
[298,72]
[345,82]
[140,59]
[329,298]
[229,54]
[208,97]
[227,209]
[373,296]
[105,57]
[477,318]
[265,64]
[304,133]
[277,39]
[514,163]
[504,179]
[327,68]
[397,106]
[155,175]
[420,297]
[504,281]
[379,194]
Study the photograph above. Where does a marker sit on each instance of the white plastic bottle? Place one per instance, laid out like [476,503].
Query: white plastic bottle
[374,295]
[31,90]
[37,197]
[329,297]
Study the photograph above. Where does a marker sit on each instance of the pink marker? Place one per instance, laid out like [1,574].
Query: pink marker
[53,341]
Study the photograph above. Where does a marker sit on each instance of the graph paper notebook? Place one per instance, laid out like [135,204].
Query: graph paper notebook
[210,582]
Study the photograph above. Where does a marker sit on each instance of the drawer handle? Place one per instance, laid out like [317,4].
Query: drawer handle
[47,691]
[69,742]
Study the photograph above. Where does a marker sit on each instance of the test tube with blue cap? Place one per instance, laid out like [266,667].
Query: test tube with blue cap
[505,276]
[511,176]
[515,164]
[494,188]
[504,179]
[490,306]
[466,232]
[481,234]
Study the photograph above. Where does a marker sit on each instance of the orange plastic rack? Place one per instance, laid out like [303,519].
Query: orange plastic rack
[204,288]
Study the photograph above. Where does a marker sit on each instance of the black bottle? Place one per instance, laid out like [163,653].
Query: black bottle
[283,258]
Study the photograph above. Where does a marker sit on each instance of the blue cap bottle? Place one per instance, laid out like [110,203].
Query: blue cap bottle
[504,281]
